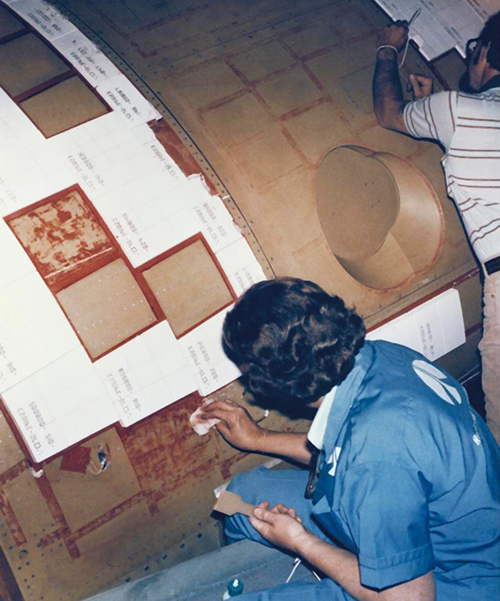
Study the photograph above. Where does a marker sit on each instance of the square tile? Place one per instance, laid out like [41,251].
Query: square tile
[188,286]
[106,307]
[262,60]
[237,121]
[358,86]
[27,62]
[267,157]
[63,106]
[289,91]
[318,130]
[317,36]
[207,84]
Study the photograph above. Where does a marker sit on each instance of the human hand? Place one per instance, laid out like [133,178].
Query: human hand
[236,425]
[281,526]
[421,86]
[395,34]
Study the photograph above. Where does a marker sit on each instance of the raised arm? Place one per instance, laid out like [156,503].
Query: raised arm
[388,100]
[242,432]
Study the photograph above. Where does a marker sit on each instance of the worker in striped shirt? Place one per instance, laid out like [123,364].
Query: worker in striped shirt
[467,124]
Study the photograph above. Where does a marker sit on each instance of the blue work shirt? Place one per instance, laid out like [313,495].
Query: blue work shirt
[411,478]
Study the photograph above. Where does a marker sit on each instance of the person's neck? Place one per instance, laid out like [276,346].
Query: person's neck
[491,79]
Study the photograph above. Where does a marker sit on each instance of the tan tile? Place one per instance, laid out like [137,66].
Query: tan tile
[318,130]
[28,62]
[266,158]
[203,86]
[186,276]
[262,60]
[348,58]
[289,91]
[106,307]
[63,106]
[317,36]
[108,540]
[351,25]
[150,40]
[237,121]
[29,506]
[322,67]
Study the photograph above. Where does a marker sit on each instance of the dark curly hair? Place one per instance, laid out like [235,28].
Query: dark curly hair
[292,341]
[491,35]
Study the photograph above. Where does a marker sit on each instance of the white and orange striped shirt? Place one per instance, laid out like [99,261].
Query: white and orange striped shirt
[468,126]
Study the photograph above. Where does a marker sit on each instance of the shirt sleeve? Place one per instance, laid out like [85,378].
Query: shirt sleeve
[385,507]
[433,117]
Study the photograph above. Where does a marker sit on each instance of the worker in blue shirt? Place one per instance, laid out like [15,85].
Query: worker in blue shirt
[402,496]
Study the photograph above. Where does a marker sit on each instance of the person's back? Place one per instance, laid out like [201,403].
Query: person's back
[416,472]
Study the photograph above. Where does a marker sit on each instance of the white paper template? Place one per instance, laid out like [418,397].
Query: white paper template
[240,265]
[147,374]
[203,350]
[434,328]
[43,17]
[52,413]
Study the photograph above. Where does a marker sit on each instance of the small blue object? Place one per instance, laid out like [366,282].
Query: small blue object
[234,588]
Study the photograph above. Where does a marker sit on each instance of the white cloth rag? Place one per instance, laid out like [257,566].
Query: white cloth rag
[201,427]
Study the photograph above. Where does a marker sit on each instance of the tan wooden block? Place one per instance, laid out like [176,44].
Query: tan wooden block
[188,286]
[230,503]
[262,60]
[267,157]
[289,91]
[27,62]
[106,307]
[318,130]
[238,121]
[63,106]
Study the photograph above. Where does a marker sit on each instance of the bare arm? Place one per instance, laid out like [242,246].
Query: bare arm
[241,431]
[388,100]
[283,528]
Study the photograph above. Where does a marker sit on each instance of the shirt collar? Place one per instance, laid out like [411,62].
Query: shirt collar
[317,430]
[333,414]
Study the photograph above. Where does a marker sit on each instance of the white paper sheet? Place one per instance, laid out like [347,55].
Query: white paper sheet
[203,350]
[434,328]
[147,374]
